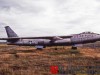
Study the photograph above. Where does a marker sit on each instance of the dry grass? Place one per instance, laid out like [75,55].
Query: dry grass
[15,60]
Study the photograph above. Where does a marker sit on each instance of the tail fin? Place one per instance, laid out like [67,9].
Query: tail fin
[10,32]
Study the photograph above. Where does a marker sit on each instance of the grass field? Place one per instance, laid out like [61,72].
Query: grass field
[16,60]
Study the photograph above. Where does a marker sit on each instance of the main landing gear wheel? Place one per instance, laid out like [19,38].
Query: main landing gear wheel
[74,50]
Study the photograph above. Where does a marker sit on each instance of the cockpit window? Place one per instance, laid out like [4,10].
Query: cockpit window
[87,33]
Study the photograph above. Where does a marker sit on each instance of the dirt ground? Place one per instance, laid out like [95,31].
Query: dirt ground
[16,60]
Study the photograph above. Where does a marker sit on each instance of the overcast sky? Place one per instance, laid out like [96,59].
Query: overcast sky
[49,17]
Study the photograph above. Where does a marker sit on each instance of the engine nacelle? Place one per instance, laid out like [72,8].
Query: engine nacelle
[68,40]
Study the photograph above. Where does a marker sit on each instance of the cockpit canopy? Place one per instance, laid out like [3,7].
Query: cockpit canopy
[87,32]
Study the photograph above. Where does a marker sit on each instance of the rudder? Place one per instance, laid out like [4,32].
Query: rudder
[10,32]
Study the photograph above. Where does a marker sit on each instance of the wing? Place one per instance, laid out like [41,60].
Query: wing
[44,37]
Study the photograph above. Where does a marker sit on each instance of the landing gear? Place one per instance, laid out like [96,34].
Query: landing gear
[56,48]
[44,46]
[74,50]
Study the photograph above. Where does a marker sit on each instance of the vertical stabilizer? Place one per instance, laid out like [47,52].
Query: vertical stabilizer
[10,32]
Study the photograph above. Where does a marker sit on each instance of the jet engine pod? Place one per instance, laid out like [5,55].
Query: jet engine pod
[57,38]
[39,47]
[67,40]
